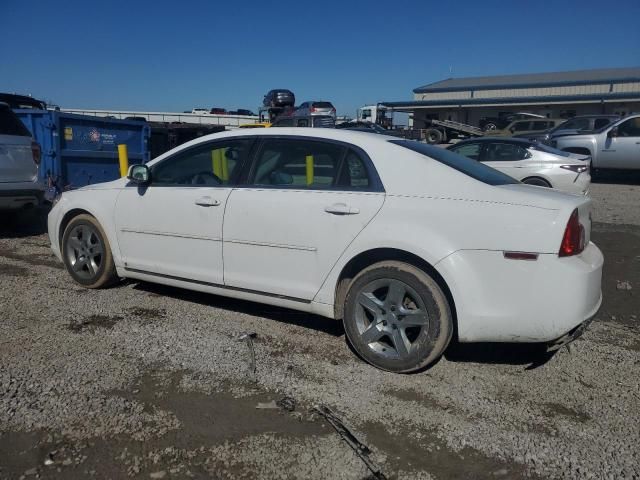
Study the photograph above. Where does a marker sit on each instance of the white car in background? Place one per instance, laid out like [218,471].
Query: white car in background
[530,162]
[403,242]
[19,161]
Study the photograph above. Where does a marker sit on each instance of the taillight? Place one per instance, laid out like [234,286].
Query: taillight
[312,109]
[573,238]
[576,168]
[37,153]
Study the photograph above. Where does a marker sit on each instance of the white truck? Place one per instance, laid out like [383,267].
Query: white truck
[616,146]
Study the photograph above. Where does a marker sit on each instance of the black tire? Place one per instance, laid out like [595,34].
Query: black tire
[538,182]
[427,341]
[86,247]
[490,126]
[433,136]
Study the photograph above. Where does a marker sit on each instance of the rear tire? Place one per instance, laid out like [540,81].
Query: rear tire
[433,136]
[538,182]
[397,317]
[87,254]
[490,127]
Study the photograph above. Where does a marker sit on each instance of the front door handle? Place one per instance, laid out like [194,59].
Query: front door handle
[207,202]
[341,209]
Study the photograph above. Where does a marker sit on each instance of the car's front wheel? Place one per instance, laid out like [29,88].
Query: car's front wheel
[87,253]
[397,317]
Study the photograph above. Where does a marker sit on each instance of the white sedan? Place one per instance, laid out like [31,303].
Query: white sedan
[530,162]
[403,242]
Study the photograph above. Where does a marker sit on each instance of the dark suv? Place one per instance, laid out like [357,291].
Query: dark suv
[279,98]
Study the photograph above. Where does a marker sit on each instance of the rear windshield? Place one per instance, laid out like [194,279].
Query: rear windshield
[462,164]
[322,105]
[10,124]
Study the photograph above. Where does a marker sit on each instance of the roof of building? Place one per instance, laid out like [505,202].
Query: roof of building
[551,79]
[594,98]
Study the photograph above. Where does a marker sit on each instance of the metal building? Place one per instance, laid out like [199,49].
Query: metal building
[559,94]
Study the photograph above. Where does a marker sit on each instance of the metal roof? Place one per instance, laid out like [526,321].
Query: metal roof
[552,79]
[594,98]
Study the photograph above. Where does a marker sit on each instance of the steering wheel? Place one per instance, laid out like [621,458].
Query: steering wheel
[204,178]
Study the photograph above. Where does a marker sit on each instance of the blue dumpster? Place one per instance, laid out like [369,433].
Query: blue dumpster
[79,150]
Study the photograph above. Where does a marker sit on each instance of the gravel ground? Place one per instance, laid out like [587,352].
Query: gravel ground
[152,382]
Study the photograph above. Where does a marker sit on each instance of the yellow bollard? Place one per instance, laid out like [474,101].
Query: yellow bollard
[225,166]
[124,159]
[309,164]
[216,159]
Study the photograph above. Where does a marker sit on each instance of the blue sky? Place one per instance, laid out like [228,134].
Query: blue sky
[172,56]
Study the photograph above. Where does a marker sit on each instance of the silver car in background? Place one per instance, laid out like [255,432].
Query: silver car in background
[19,162]
[530,162]
[317,107]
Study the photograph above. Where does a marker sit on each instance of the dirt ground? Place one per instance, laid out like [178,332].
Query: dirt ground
[143,381]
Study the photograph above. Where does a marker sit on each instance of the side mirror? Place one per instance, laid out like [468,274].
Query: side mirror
[512,129]
[139,174]
[613,133]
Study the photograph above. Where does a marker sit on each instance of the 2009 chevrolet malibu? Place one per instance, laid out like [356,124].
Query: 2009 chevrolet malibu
[403,242]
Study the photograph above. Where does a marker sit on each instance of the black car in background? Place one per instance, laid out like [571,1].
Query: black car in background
[279,97]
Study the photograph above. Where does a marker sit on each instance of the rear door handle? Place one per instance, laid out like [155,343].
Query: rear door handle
[207,202]
[341,209]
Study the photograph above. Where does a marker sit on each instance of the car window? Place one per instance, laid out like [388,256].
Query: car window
[575,124]
[541,125]
[630,128]
[212,164]
[354,172]
[521,126]
[469,150]
[601,123]
[473,169]
[504,152]
[297,163]
[10,124]
[322,105]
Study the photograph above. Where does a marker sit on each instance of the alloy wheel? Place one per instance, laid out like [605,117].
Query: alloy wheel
[84,251]
[391,317]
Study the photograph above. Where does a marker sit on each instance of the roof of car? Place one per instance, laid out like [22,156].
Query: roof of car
[514,140]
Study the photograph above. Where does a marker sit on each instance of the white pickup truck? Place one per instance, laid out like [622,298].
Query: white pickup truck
[616,146]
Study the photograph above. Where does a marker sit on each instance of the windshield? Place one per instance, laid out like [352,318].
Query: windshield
[546,148]
[462,164]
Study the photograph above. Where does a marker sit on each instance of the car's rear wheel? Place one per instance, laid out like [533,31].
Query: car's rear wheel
[397,317]
[490,126]
[539,182]
[87,254]
[433,136]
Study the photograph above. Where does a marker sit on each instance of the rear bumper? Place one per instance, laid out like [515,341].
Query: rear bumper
[500,300]
[13,199]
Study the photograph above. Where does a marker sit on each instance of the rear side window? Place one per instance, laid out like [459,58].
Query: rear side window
[298,164]
[521,126]
[601,123]
[541,125]
[504,152]
[462,164]
[469,150]
[10,124]
[354,172]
